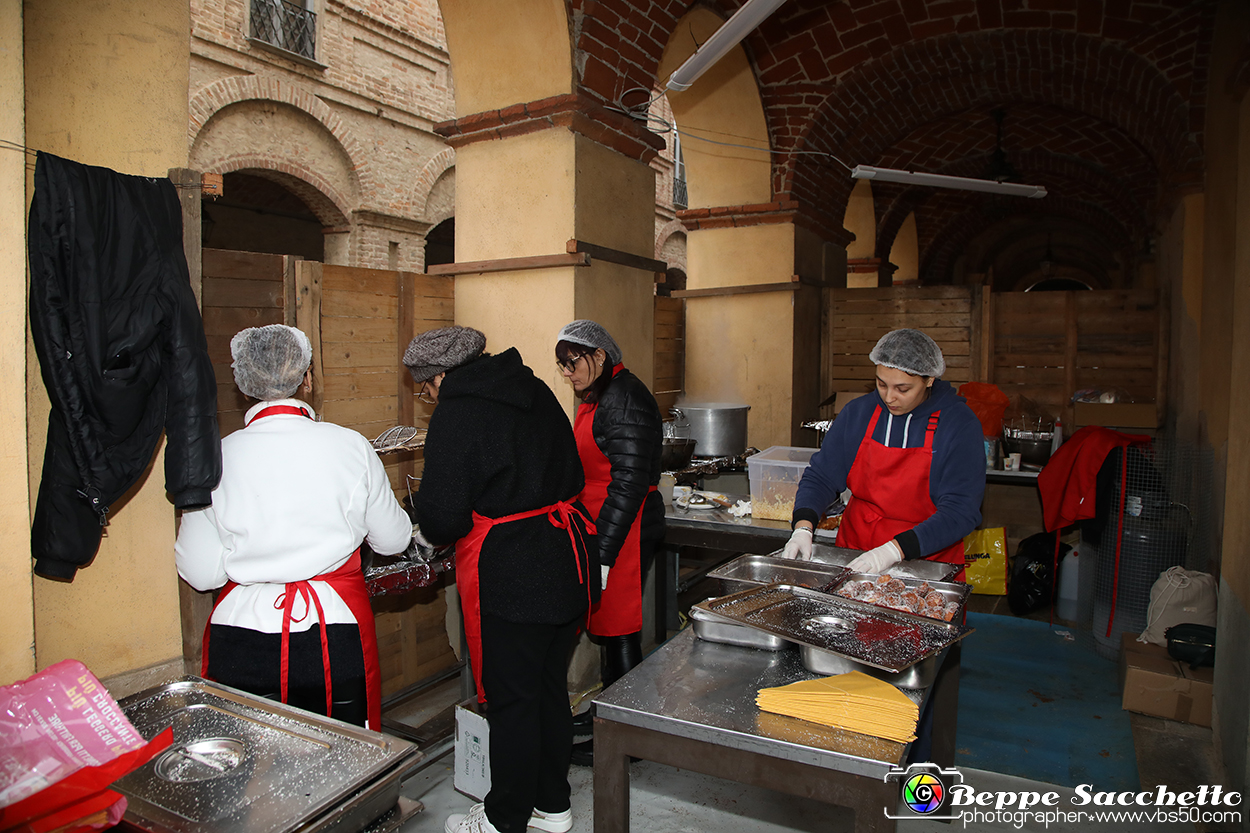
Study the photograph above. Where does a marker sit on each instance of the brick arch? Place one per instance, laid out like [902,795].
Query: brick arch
[236,89]
[332,208]
[419,196]
[883,100]
[665,232]
[950,232]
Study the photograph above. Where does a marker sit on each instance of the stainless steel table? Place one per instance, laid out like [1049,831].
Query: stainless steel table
[691,705]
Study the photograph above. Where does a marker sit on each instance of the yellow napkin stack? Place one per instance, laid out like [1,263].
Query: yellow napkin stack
[852,701]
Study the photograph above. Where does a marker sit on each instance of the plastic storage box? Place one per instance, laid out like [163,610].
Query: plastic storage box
[774,474]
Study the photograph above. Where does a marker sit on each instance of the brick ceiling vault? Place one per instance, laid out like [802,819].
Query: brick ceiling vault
[1104,104]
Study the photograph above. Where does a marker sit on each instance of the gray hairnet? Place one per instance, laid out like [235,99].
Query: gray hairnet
[589,334]
[270,361]
[910,351]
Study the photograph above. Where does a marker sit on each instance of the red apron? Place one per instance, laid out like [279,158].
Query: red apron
[469,549]
[619,611]
[349,582]
[890,494]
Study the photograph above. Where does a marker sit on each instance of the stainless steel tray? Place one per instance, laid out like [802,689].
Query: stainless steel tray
[240,762]
[885,639]
[920,675]
[952,591]
[917,568]
[747,571]
[710,627]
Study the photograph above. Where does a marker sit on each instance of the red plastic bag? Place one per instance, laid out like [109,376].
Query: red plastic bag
[63,741]
[988,403]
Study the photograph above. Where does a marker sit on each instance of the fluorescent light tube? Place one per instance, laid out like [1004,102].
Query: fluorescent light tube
[725,38]
[939,181]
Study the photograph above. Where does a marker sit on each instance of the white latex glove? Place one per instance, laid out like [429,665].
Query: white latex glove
[800,544]
[878,560]
[422,541]
[603,574]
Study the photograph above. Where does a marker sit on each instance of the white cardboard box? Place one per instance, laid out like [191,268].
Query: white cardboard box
[472,776]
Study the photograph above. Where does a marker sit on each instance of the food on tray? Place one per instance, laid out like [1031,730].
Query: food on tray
[890,592]
[829,522]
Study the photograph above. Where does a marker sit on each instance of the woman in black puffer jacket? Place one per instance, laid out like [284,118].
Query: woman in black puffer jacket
[619,438]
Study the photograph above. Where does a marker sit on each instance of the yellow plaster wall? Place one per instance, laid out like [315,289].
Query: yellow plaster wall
[507,53]
[905,253]
[739,256]
[861,221]
[739,350]
[722,106]
[106,84]
[530,195]
[17,649]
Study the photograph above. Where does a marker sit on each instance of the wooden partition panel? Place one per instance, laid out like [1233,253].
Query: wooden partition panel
[241,289]
[1049,345]
[670,351]
[857,318]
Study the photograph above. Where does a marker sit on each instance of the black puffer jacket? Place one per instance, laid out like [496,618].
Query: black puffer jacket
[627,429]
[122,351]
[499,443]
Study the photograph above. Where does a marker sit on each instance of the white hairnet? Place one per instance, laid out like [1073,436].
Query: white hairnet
[910,351]
[589,334]
[270,361]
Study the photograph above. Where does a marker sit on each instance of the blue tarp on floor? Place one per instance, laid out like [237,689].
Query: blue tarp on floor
[1035,704]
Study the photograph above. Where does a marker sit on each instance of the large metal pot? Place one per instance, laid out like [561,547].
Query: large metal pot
[719,428]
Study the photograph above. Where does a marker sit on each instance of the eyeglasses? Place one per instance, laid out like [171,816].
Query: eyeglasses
[425,397]
[570,365]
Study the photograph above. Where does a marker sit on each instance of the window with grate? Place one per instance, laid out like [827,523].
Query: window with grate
[285,25]
[680,198]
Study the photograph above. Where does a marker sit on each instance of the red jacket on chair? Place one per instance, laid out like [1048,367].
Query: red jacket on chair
[1067,482]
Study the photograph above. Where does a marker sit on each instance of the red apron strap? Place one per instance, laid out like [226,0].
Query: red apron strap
[287,600]
[225,591]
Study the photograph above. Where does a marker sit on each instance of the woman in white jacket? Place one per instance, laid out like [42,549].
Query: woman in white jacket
[282,537]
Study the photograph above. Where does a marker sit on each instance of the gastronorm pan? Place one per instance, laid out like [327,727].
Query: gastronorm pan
[885,639]
[713,628]
[747,571]
[917,568]
[243,763]
[951,591]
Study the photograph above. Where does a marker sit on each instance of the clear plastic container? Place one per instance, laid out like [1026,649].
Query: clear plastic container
[774,475]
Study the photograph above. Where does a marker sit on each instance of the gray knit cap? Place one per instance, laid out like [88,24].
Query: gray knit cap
[589,334]
[270,361]
[438,351]
[910,351]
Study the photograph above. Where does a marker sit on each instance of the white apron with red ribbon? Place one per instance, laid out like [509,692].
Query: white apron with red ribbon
[619,611]
[469,549]
[890,494]
[348,582]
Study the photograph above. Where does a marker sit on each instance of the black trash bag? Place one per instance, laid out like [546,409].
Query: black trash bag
[1033,580]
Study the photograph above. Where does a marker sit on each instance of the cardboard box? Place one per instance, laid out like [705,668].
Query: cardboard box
[1117,414]
[472,776]
[1155,684]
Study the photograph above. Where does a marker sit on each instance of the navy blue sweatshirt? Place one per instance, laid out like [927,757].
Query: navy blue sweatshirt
[956,475]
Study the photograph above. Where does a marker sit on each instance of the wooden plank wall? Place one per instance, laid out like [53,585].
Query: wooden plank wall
[670,351]
[367,317]
[1048,345]
[856,318]
[241,289]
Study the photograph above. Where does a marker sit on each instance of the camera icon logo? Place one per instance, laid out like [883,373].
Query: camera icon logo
[924,790]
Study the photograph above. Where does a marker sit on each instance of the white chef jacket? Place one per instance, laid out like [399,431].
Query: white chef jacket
[296,498]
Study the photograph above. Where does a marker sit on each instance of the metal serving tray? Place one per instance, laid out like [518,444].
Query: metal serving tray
[710,627]
[240,762]
[748,571]
[827,556]
[920,675]
[881,638]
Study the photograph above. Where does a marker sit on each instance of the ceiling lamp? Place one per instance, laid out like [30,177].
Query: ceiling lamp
[725,38]
[1000,169]
[960,183]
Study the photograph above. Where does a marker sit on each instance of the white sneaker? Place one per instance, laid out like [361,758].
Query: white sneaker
[474,821]
[552,822]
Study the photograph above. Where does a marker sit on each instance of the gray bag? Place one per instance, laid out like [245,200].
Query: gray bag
[1179,596]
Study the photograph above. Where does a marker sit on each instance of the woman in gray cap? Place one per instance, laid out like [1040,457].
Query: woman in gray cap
[501,480]
[912,456]
[619,438]
[283,534]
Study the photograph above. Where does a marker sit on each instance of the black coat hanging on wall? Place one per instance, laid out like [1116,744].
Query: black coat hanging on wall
[121,350]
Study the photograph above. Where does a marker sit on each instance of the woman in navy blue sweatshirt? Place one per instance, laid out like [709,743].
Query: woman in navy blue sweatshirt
[912,455]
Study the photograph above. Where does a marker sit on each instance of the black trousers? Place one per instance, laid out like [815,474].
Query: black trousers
[524,674]
[252,661]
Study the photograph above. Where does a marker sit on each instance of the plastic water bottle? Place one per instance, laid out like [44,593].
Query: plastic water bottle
[1057,439]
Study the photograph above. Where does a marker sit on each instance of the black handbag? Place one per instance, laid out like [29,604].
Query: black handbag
[1194,644]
